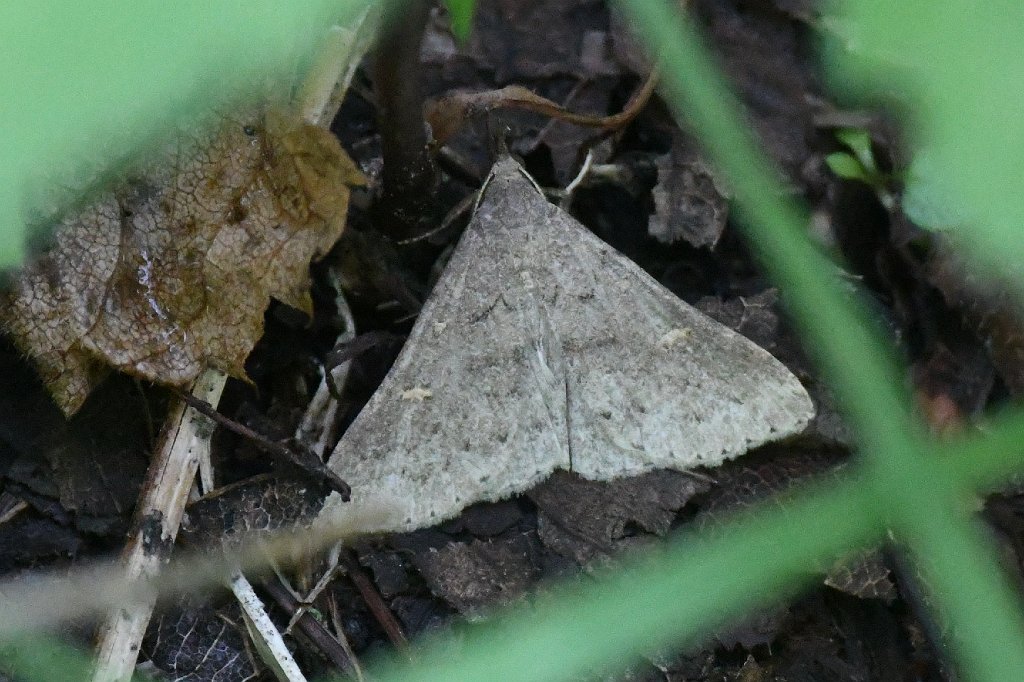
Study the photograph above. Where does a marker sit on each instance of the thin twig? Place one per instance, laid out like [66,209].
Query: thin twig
[571,188]
[11,510]
[303,460]
[447,114]
[374,601]
[314,629]
[317,430]
[265,637]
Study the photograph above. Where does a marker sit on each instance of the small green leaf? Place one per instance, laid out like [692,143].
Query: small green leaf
[461,13]
[859,142]
[846,166]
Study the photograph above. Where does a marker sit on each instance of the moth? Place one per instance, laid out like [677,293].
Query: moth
[543,348]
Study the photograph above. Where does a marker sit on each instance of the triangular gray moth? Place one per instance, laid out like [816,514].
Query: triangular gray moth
[541,347]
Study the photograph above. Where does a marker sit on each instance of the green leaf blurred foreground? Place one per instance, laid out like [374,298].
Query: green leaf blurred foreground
[86,84]
[956,68]
[906,487]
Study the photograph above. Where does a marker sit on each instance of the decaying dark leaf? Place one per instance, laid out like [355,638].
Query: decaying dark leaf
[480,574]
[258,505]
[590,521]
[170,272]
[195,643]
[688,205]
[98,459]
[30,539]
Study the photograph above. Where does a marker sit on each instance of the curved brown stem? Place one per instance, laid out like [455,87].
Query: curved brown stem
[447,114]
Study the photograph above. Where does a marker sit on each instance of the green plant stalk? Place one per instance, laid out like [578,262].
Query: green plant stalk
[984,462]
[671,599]
[980,612]
[962,572]
[461,13]
[957,74]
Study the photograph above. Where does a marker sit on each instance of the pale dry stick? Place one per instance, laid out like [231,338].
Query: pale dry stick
[184,440]
[336,649]
[326,578]
[324,89]
[320,98]
[264,635]
[173,470]
[316,430]
[13,508]
[316,426]
[571,188]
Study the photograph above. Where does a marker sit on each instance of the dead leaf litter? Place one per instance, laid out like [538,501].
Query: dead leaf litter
[171,272]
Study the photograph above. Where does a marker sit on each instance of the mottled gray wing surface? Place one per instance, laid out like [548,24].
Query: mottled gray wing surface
[649,381]
[494,421]
[541,347]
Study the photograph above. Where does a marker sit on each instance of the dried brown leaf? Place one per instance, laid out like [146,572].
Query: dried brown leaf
[169,273]
[592,521]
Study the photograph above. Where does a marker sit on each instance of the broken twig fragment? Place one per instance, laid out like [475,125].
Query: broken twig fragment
[184,441]
[541,348]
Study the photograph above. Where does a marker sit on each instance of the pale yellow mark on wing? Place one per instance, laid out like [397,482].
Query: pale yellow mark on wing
[417,394]
[673,337]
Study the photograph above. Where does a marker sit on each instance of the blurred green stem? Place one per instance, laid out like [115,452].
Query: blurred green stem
[921,504]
